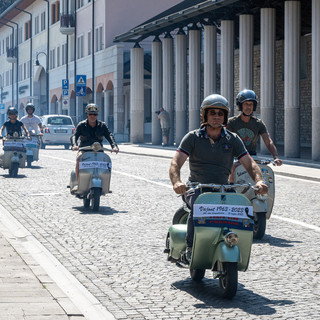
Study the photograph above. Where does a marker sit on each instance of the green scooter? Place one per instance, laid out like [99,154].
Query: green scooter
[223,232]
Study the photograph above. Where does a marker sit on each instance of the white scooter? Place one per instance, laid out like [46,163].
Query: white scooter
[14,154]
[94,175]
[32,147]
[262,204]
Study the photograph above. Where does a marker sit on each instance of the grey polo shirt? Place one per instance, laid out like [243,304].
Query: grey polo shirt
[211,162]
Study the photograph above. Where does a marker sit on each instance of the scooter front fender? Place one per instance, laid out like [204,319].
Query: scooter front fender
[96,183]
[259,205]
[29,152]
[224,253]
[15,159]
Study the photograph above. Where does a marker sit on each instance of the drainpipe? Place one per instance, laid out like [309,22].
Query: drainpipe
[48,56]
[30,62]
[12,69]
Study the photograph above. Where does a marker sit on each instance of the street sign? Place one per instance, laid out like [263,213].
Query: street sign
[65,84]
[81,83]
[65,104]
[65,93]
[2,108]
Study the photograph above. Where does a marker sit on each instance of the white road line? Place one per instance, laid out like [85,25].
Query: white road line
[296,222]
[293,178]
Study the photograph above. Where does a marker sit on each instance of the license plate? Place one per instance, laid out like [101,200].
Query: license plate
[60,131]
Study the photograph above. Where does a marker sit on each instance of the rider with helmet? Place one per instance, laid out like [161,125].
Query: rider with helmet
[31,121]
[211,150]
[249,127]
[89,131]
[13,124]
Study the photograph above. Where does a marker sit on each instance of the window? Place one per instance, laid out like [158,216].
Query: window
[36,25]
[27,30]
[99,38]
[58,56]
[43,21]
[7,78]
[52,59]
[20,35]
[80,47]
[79,4]
[25,70]
[89,43]
[28,69]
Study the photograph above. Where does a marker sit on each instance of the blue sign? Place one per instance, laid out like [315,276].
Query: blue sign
[65,84]
[81,83]
[80,91]
[65,93]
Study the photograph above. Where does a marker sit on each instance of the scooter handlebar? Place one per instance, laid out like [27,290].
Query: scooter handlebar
[219,187]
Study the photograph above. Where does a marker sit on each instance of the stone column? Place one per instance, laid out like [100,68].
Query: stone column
[156,89]
[137,95]
[315,80]
[245,51]
[168,81]
[99,104]
[210,60]
[107,97]
[291,79]
[227,61]
[194,77]
[267,75]
[181,85]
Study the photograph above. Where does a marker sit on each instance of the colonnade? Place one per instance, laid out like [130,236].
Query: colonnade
[188,57]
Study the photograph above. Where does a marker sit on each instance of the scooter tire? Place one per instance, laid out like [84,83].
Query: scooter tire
[228,280]
[197,274]
[14,168]
[29,161]
[95,199]
[180,216]
[259,227]
[86,202]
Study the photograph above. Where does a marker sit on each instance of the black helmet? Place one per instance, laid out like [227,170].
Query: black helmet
[12,111]
[214,101]
[30,106]
[246,95]
[92,108]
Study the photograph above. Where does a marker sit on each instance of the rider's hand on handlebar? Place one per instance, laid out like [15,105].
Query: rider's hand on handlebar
[179,187]
[115,149]
[75,148]
[28,138]
[277,162]
[261,186]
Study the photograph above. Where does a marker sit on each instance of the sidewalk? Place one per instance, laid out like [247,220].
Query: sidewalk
[27,291]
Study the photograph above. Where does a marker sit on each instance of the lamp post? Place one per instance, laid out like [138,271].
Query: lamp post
[37,63]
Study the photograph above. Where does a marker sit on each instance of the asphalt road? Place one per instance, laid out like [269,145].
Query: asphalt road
[117,253]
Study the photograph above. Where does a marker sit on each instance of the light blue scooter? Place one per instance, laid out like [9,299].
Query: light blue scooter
[223,232]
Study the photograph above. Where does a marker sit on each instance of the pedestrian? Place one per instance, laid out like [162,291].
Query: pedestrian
[164,118]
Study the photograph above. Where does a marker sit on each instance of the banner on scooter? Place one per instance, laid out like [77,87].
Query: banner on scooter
[95,164]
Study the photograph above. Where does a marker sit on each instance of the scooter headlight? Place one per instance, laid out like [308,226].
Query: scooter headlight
[231,239]
[96,146]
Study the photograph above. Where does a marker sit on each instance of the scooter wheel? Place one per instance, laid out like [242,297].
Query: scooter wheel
[180,216]
[260,223]
[95,200]
[14,169]
[197,274]
[29,161]
[86,202]
[228,279]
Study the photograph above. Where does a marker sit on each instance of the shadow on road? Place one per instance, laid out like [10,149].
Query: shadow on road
[19,176]
[34,167]
[207,292]
[107,211]
[277,242]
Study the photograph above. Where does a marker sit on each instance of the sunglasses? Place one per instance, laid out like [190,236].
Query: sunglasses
[213,113]
[92,114]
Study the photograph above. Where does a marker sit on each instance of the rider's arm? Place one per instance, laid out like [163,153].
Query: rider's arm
[109,136]
[271,147]
[254,172]
[1,130]
[174,172]
[26,131]
[40,126]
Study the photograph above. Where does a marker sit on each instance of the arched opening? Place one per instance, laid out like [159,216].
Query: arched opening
[40,91]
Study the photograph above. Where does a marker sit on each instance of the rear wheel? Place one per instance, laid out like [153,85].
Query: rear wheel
[228,279]
[86,202]
[42,145]
[180,217]
[95,199]
[14,168]
[260,222]
[29,161]
[197,274]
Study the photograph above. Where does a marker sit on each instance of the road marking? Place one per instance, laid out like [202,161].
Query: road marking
[293,178]
[297,222]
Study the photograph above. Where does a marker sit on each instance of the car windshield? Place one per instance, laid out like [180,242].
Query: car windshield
[59,121]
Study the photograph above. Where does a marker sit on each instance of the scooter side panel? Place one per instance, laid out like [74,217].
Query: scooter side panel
[177,240]
[242,176]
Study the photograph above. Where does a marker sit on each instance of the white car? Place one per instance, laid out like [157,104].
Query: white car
[57,130]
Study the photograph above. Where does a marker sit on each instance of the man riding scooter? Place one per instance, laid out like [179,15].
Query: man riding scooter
[30,120]
[211,150]
[89,131]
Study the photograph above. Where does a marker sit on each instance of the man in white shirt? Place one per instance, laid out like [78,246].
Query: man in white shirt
[31,121]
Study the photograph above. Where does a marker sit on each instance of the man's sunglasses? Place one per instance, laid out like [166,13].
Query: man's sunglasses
[213,113]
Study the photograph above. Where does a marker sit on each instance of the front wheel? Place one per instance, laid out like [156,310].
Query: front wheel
[86,202]
[29,161]
[228,279]
[14,169]
[180,216]
[95,199]
[197,274]
[259,228]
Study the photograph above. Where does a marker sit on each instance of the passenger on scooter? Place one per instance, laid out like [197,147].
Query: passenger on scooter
[30,120]
[89,131]
[211,150]
[249,128]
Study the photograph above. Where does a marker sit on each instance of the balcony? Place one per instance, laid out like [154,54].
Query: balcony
[67,24]
[12,54]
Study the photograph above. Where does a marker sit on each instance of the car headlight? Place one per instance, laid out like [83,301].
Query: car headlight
[231,239]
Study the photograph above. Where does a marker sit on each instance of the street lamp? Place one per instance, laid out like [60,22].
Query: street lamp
[37,63]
